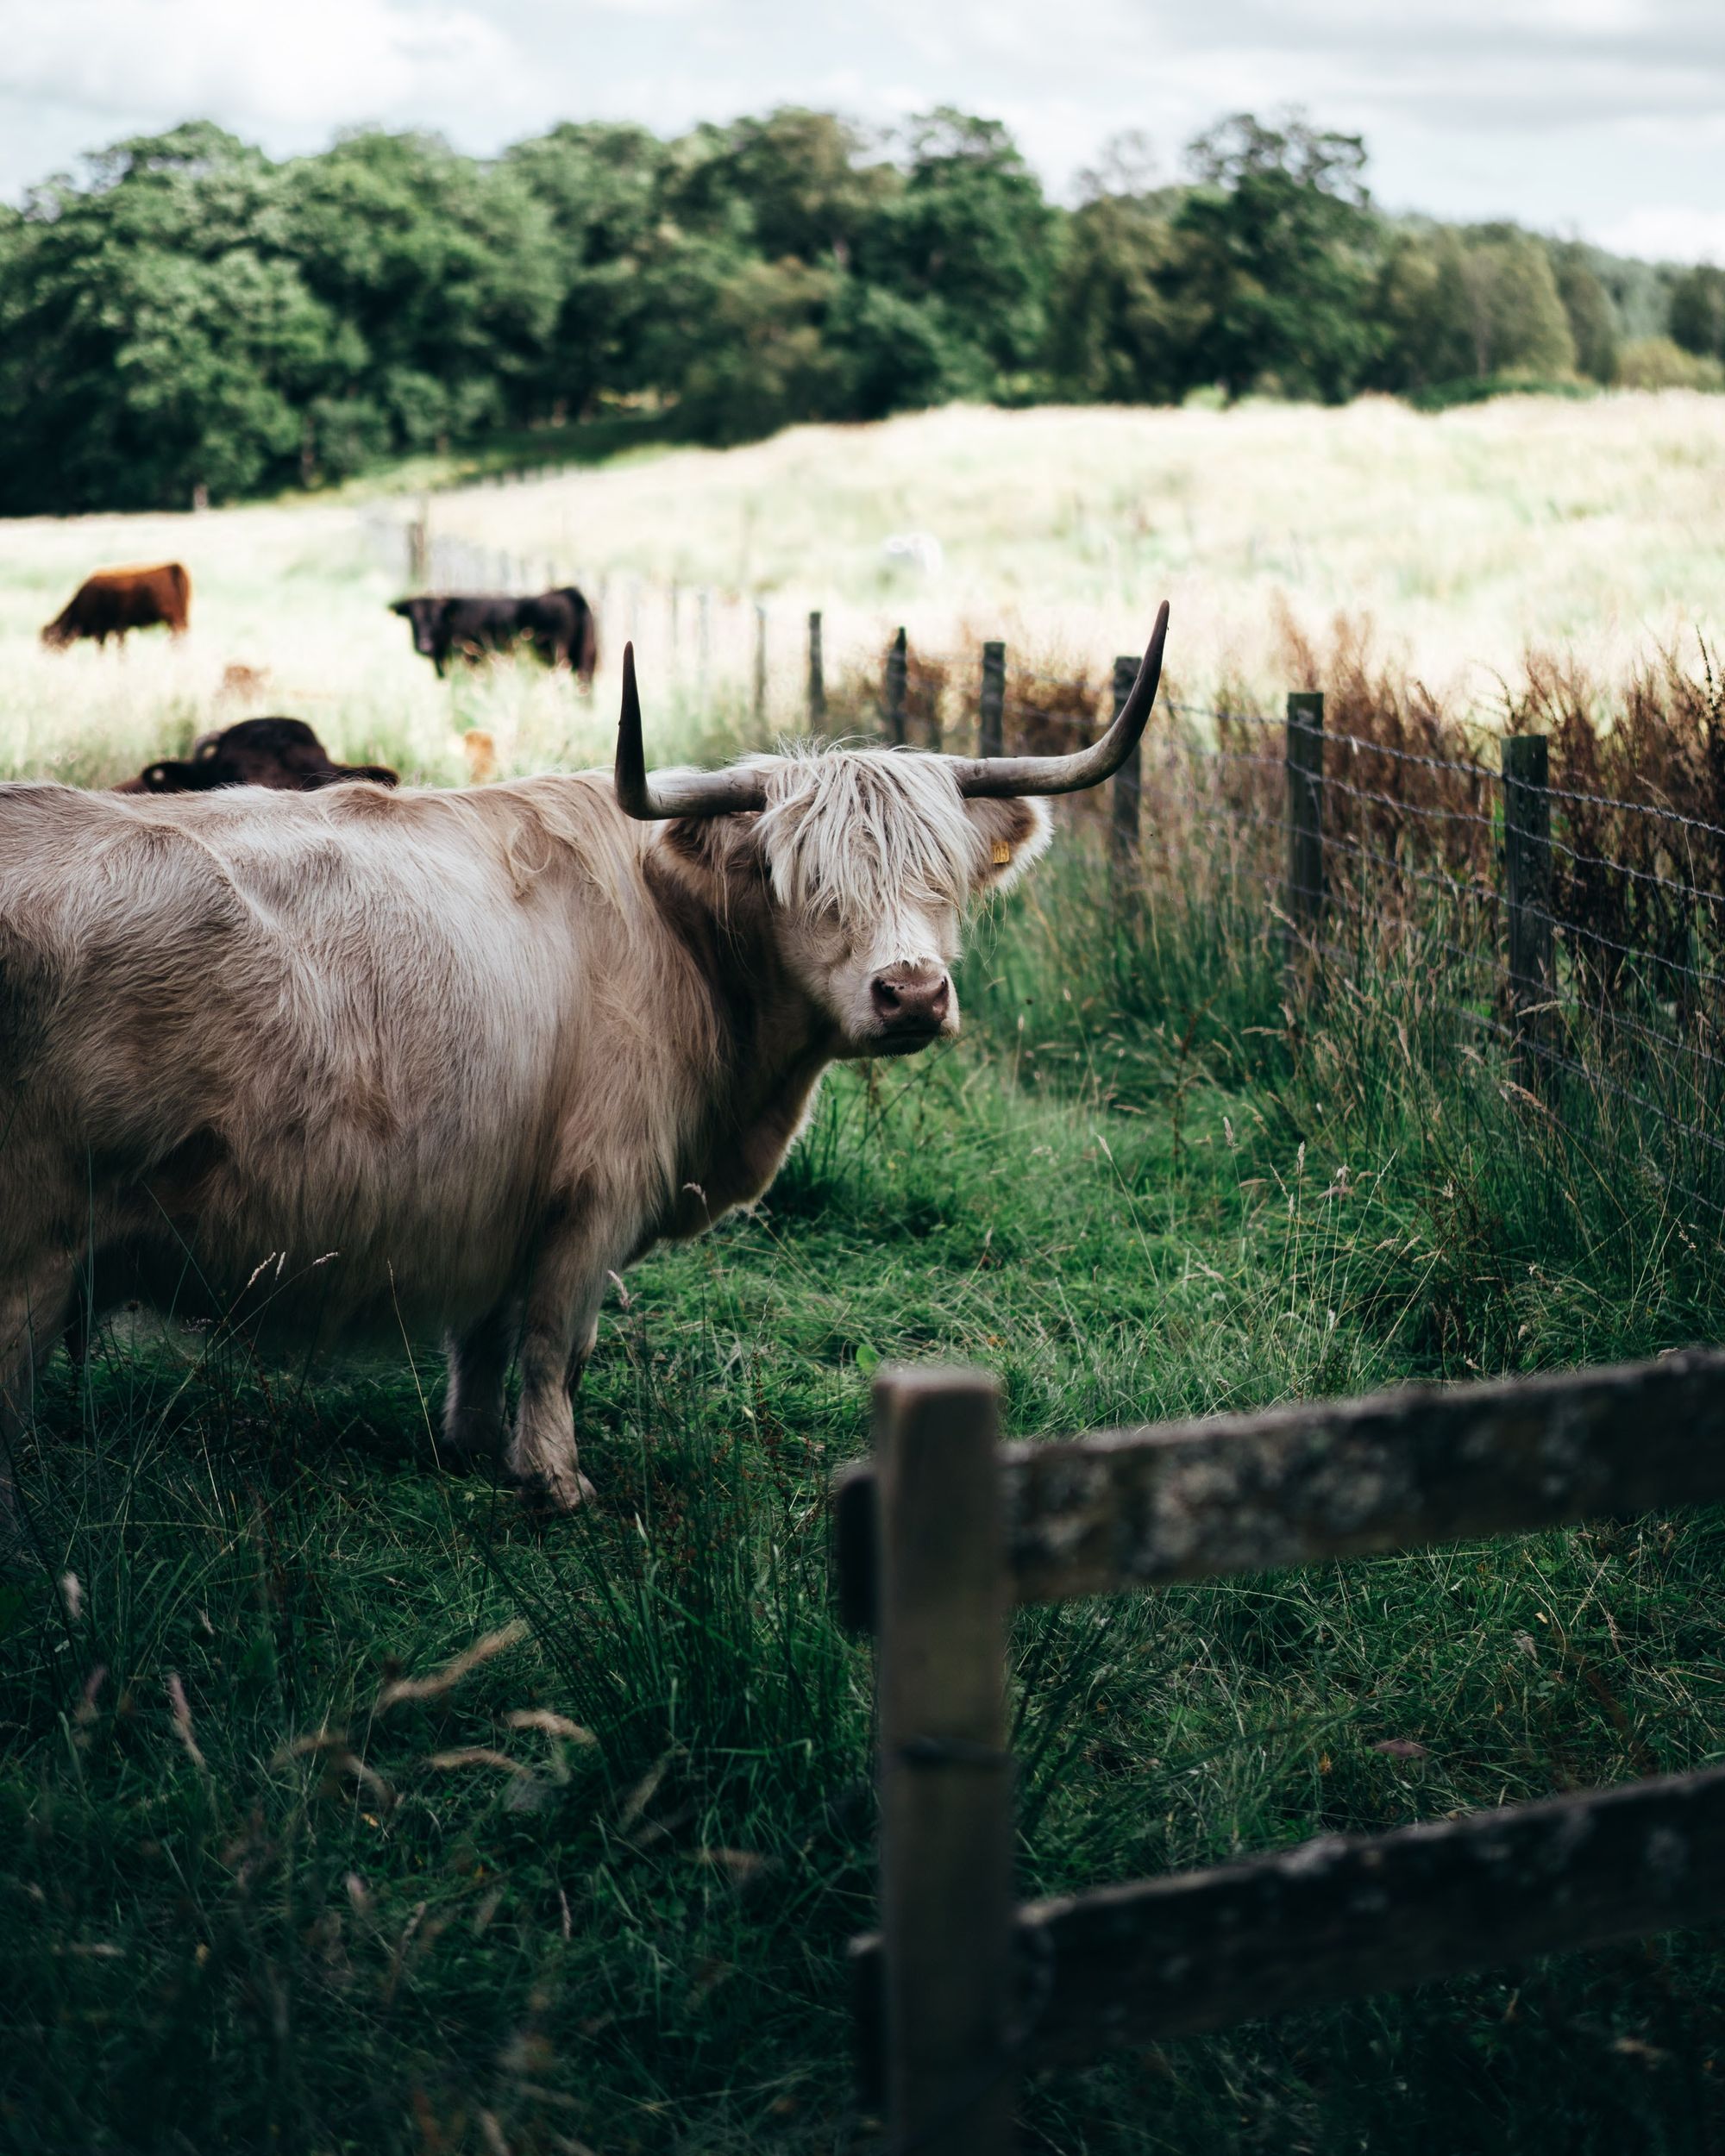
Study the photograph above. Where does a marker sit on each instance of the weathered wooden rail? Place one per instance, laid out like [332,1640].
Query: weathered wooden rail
[945,1530]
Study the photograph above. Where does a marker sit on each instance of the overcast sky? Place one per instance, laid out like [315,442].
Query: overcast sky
[1605,117]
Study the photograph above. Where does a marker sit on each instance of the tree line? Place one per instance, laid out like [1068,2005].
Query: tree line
[191,319]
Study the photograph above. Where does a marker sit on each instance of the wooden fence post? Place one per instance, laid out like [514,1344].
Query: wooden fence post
[1129,779]
[1528,879]
[893,704]
[991,713]
[703,642]
[1303,901]
[945,1774]
[419,546]
[759,661]
[817,680]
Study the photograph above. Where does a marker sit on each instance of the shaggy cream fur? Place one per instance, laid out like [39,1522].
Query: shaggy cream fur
[360,1062]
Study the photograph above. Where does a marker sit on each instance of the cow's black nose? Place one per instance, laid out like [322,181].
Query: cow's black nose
[911,998]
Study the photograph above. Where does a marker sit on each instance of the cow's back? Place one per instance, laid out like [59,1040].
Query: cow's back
[483,621]
[174,596]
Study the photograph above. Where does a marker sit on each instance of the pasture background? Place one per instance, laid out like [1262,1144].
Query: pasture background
[1462,541]
[249,1900]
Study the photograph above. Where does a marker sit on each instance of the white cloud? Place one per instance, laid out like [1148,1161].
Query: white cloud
[322,63]
[1667,232]
[1602,115]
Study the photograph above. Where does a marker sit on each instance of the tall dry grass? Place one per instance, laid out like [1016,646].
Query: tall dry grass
[1588,531]
[1469,537]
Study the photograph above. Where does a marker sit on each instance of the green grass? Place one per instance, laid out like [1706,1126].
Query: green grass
[289,1919]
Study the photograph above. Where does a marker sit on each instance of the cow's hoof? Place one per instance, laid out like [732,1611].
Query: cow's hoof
[552,1497]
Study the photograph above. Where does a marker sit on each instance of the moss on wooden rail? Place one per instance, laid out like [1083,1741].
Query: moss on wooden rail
[1228,1494]
[1348,1914]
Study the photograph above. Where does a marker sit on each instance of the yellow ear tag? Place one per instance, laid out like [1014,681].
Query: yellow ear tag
[1003,852]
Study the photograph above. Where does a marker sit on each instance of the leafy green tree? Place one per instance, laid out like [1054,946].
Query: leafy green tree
[1697,312]
[1459,305]
[1422,306]
[802,180]
[1276,253]
[970,235]
[1662,363]
[445,270]
[600,184]
[899,355]
[1115,334]
[1592,318]
[157,336]
[1515,314]
[763,360]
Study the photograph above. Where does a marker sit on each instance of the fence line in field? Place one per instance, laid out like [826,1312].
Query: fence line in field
[943,1531]
[703,641]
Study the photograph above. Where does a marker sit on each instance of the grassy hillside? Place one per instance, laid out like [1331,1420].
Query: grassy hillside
[1590,528]
[1467,536]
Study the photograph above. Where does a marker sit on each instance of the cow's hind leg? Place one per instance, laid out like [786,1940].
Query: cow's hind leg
[33,1315]
[474,1404]
[557,1336]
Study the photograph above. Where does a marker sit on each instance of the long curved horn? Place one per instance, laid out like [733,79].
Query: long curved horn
[700,793]
[993,778]
[691,793]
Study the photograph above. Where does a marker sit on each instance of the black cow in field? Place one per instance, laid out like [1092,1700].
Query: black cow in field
[114,600]
[282,753]
[559,626]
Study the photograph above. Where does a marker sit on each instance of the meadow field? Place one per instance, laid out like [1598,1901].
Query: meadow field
[1466,539]
[584,1882]
[1457,543]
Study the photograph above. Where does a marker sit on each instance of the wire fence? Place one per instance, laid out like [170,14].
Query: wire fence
[1565,934]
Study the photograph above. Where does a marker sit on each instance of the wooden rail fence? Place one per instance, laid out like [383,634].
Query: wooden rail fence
[945,1530]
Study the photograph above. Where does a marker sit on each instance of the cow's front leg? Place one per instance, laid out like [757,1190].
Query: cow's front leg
[560,1326]
[473,1403]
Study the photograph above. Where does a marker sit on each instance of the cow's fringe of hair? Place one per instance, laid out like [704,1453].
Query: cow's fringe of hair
[861,829]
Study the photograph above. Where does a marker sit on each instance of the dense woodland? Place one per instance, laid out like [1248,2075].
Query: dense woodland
[192,315]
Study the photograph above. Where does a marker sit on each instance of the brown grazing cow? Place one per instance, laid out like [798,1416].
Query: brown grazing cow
[364,1062]
[114,600]
[283,753]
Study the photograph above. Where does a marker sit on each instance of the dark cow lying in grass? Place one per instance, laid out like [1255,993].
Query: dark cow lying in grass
[558,626]
[115,600]
[282,753]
